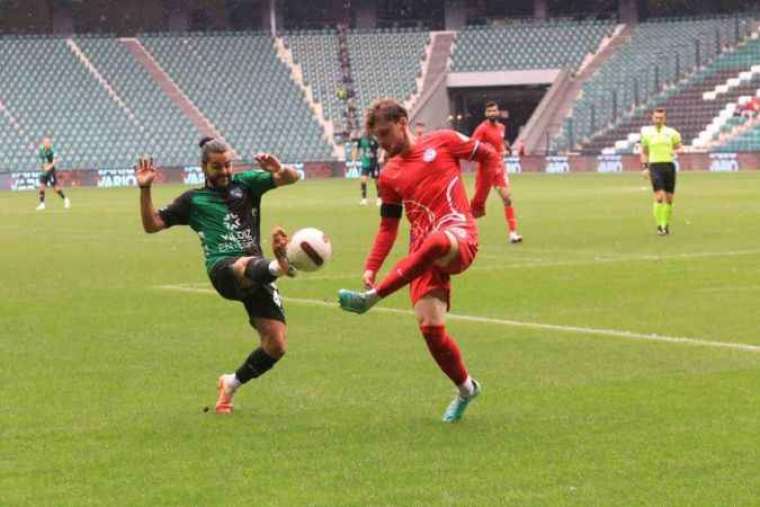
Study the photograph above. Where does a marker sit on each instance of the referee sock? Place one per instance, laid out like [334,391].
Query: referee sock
[258,363]
[667,213]
[657,209]
[60,192]
[364,190]
[42,196]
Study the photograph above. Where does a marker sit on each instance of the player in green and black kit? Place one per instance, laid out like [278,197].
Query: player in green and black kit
[47,157]
[226,214]
[367,148]
[658,144]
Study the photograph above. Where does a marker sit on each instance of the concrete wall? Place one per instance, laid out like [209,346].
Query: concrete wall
[433,107]
[501,78]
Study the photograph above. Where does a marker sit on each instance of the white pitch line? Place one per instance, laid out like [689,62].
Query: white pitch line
[539,263]
[628,335]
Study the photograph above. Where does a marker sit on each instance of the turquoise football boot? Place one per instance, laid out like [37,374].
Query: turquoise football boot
[456,408]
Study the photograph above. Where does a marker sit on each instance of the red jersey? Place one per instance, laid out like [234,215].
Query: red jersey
[427,182]
[491,133]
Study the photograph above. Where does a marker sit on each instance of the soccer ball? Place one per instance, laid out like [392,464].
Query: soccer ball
[309,249]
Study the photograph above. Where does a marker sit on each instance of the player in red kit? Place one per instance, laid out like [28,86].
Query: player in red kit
[491,131]
[422,177]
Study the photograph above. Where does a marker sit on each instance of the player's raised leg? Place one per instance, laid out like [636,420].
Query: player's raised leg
[439,247]
[266,316]
[431,317]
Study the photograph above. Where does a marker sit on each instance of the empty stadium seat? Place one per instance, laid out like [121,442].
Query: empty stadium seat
[241,86]
[528,45]
[649,70]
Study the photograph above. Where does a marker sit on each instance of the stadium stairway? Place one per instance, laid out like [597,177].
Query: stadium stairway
[296,73]
[170,88]
[14,138]
[745,137]
[424,69]
[546,121]
[386,63]
[656,63]
[687,112]
[692,106]
[728,122]
[424,107]
[102,81]
[61,99]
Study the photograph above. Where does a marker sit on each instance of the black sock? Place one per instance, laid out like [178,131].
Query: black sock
[60,192]
[258,363]
[257,271]
[364,190]
[42,196]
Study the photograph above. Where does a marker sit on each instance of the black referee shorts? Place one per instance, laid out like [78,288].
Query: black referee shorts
[663,176]
[260,301]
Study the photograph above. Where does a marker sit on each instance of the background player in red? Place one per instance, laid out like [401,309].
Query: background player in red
[422,177]
[491,131]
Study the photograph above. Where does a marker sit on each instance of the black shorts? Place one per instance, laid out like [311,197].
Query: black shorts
[663,176]
[262,301]
[371,170]
[49,178]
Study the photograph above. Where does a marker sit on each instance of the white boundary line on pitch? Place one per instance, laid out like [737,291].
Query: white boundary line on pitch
[610,260]
[628,335]
[542,263]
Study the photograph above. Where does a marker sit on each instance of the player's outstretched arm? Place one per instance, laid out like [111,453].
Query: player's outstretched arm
[390,217]
[282,175]
[465,148]
[145,174]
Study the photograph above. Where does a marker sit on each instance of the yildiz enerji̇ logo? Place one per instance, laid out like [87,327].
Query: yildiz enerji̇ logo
[236,238]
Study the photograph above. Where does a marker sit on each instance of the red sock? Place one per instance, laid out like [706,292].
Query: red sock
[509,212]
[445,351]
[413,265]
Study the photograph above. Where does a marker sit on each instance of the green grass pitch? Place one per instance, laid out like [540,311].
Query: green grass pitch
[112,343]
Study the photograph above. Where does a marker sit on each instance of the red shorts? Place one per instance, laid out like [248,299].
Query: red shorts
[500,179]
[438,278]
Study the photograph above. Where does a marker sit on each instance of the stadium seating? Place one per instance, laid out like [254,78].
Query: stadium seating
[14,150]
[528,45]
[239,84]
[744,62]
[385,63]
[651,69]
[316,51]
[168,134]
[56,95]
